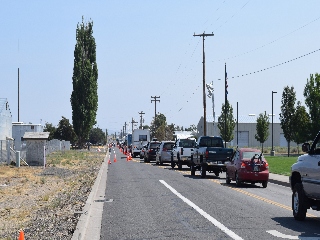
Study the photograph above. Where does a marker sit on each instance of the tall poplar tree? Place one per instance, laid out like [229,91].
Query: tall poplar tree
[301,121]
[262,128]
[227,135]
[312,95]
[288,102]
[84,97]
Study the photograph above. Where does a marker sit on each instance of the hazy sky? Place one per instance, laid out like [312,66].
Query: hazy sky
[147,48]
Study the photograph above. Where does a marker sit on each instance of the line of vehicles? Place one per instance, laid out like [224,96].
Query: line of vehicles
[242,165]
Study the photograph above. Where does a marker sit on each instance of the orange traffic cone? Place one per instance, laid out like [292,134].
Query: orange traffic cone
[115,158]
[109,162]
[21,235]
[130,157]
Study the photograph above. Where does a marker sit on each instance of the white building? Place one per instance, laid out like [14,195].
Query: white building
[5,120]
[246,131]
[19,129]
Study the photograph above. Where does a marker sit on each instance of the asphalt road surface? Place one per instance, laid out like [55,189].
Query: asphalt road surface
[147,201]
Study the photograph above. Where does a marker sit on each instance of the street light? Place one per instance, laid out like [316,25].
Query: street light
[272,150]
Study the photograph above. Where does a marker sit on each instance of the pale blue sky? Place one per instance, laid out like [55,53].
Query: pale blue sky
[146,48]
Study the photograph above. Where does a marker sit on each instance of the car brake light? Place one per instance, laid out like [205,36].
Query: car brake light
[243,165]
[207,154]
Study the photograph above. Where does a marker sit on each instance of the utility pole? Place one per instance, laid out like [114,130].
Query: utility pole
[18,96]
[155,105]
[125,128]
[225,103]
[204,82]
[132,122]
[141,118]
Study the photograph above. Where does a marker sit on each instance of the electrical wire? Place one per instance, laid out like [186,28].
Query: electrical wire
[277,65]
[269,43]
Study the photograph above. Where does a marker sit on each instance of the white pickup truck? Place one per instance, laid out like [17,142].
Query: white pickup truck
[182,151]
[305,180]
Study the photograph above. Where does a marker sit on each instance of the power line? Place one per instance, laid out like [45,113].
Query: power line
[269,43]
[264,69]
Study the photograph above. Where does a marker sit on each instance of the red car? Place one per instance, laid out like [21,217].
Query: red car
[248,165]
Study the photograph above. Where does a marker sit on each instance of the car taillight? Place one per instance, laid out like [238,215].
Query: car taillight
[243,165]
[207,154]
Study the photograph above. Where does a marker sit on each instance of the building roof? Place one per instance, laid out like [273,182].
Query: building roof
[36,135]
[252,118]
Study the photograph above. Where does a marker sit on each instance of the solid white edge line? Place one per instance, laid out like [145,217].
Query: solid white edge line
[203,213]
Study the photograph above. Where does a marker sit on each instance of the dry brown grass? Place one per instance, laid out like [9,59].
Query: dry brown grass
[26,189]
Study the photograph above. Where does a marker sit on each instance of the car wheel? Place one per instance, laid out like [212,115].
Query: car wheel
[264,184]
[203,171]
[161,163]
[238,182]
[179,163]
[193,170]
[299,202]
[228,180]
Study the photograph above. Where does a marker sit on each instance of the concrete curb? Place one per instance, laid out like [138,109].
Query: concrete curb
[89,224]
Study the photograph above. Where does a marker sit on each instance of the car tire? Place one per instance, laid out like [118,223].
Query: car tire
[238,182]
[172,163]
[299,202]
[193,169]
[203,171]
[228,180]
[179,162]
[161,163]
[264,184]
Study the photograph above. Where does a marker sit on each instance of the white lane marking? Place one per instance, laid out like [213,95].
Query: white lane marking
[203,213]
[281,235]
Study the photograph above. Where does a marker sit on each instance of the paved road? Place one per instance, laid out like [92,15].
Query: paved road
[146,201]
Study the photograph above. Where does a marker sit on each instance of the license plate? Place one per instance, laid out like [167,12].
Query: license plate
[256,168]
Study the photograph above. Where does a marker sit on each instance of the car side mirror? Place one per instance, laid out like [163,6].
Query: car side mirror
[306,147]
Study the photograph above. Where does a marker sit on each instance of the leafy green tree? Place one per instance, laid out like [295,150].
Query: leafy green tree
[312,100]
[287,112]
[227,135]
[191,128]
[301,122]
[65,131]
[84,97]
[145,127]
[262,128]
[97,136]
[169,132]
[159,128]
[48,127]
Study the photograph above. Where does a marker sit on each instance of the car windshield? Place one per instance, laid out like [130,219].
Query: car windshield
[154,145]
[249,155]
[187,143]
[211,142]
[168,146]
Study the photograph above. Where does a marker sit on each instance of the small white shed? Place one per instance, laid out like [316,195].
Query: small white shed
[35,145]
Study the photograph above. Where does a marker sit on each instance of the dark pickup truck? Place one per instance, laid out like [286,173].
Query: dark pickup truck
[210,155]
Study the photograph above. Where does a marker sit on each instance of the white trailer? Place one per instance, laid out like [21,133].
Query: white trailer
[140,137]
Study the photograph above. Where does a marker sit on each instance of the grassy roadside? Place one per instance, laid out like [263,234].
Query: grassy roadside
[281,164]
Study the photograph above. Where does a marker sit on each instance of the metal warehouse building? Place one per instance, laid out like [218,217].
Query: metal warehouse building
[246,131]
